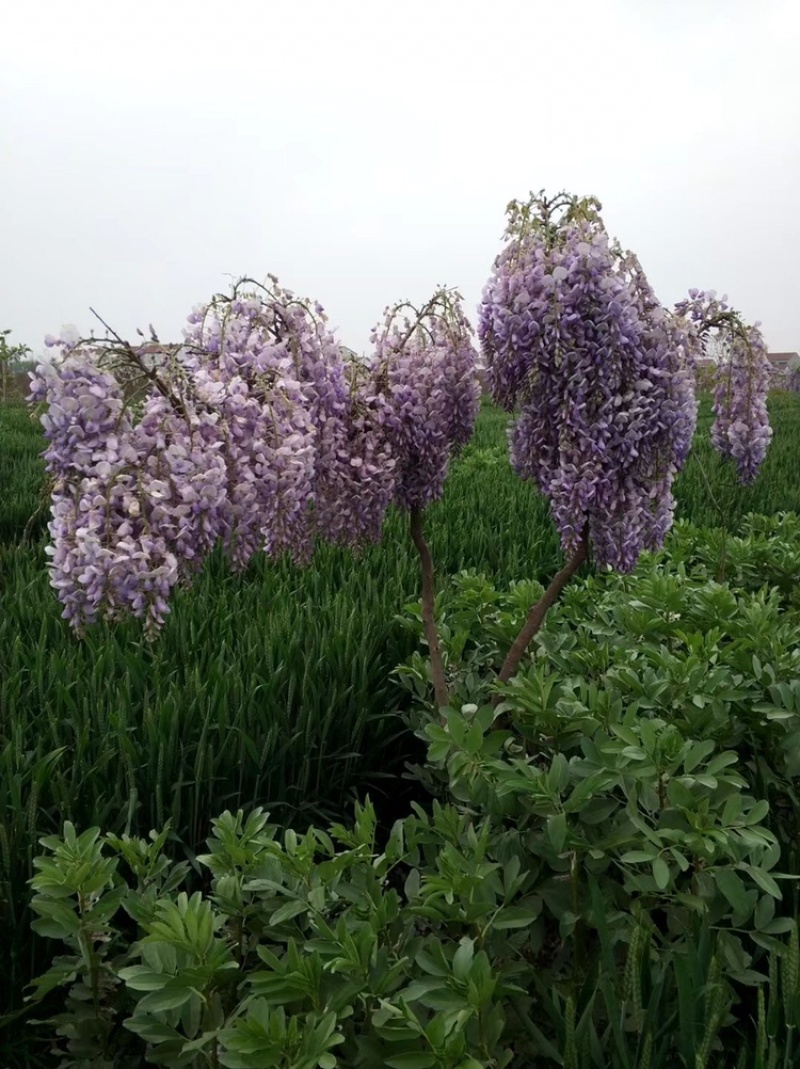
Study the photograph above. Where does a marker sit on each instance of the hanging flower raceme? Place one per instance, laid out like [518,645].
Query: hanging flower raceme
[425,368]
[741,428]
[671,348]
[251,357]
[84,418]
[215,441]
[255,433]
[135,503]
[321,457]
[357,471]
[576,341]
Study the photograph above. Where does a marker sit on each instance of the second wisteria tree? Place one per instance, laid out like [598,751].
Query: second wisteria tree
[602,380]
[741,379]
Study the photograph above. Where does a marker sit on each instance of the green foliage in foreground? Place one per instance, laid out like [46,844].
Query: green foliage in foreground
[326,951]
[607,878]
[270,689]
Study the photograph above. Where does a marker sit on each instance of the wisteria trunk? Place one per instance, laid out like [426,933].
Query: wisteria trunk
[536,616]
[428,610]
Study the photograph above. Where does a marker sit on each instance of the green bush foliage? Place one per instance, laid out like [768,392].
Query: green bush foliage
[276,689]
[606,875]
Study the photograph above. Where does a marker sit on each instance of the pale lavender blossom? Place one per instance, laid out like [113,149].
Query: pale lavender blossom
[600,375]
[256,434]
[425,368]
[741,430]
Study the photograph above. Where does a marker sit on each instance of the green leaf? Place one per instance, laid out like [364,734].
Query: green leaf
[764,911]
[763,879]
[412,1060]
[287,911]
[412,885]
[169,998]
[758,812]
[598,810]
[462,959]
[680,795]
[633,857]
[516,917]
[699,752]
[557,831]
[558,774]
[723,760]
[429,964]
[778,926]
[661,873]
[140,978]
[731,886]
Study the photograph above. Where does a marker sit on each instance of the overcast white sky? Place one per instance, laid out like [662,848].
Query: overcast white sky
[365,150]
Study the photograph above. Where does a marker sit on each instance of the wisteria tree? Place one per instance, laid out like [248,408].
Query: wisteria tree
[259,432]
[741,381]
[424,365]
[230,438]
[601,379]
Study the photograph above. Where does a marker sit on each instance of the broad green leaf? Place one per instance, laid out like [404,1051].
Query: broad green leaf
[462,959]
[412,1060]
[632,857]
[557,831]
[168,998]
[661,873]
[763,879]
[287,911]
[731,886]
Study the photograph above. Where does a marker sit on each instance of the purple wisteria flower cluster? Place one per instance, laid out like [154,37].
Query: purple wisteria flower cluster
[425,365]
[260,433]
[135,504]
[742,378]
[575,341]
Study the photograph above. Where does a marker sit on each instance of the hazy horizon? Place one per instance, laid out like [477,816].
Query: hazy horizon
[365,153]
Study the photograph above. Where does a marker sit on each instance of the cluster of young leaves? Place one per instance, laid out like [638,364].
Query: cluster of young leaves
[309,951]
[661,711]
[327,950]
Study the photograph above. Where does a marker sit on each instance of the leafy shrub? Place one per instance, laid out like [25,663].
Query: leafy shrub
[602,880]
[324,951]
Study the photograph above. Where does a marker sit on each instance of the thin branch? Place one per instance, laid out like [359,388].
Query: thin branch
[149,373]
[428,610]
[537,613]
[110,330]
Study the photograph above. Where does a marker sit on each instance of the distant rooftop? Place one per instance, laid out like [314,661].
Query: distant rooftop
[782,359]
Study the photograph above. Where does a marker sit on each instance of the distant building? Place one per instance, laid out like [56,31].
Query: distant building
[783,361]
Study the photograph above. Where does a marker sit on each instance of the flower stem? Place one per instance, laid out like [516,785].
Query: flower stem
[428,614]
[537,613]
